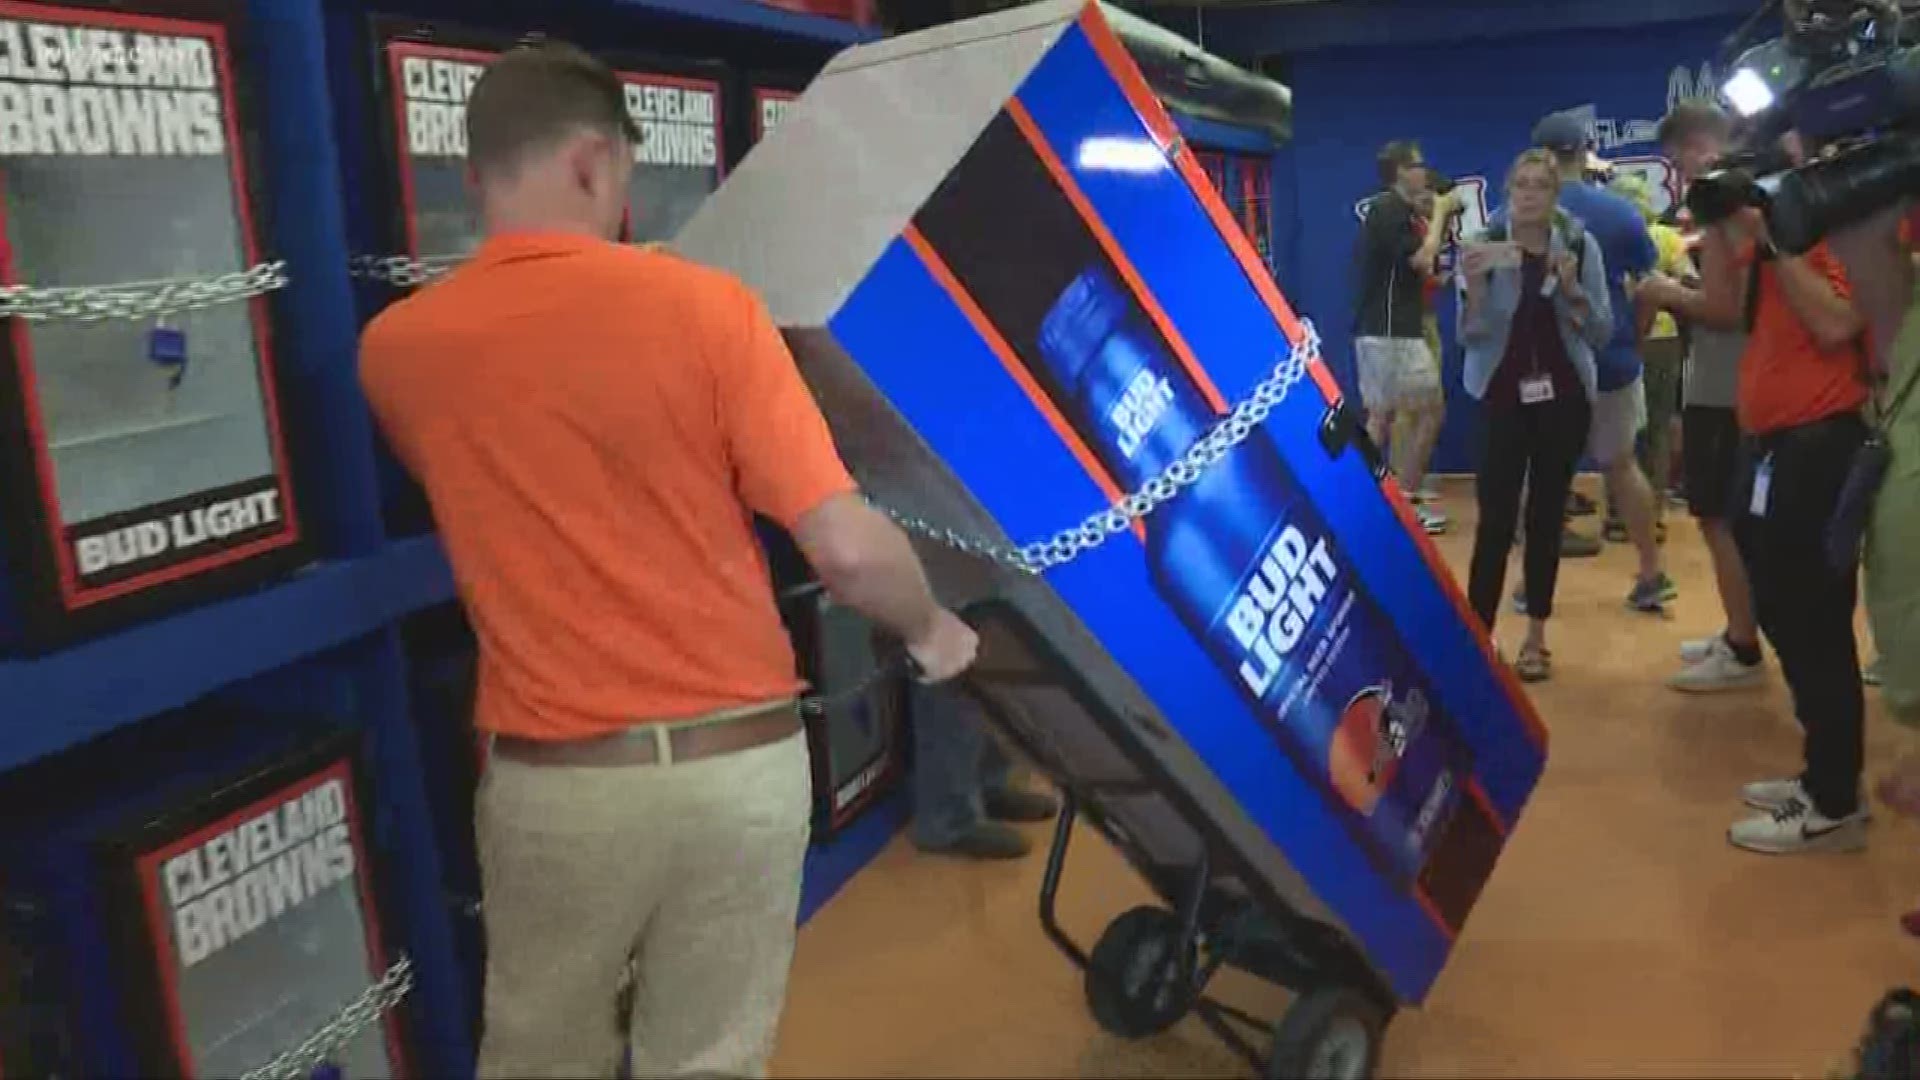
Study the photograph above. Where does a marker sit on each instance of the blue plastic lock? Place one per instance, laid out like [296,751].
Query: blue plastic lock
[167,346]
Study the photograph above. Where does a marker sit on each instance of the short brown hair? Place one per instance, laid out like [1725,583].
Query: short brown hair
[535,95]
[1692,117]
[1396,155]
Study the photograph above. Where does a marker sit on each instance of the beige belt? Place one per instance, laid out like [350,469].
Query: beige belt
[661,742]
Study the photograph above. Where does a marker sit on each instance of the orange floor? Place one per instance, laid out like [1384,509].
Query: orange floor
[1621,936]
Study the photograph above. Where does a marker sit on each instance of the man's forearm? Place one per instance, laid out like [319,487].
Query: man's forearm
[1702,309]
[1428,254]
[872,568]
[1883,283]
[1644,316]
[1827,315]
[1885,304]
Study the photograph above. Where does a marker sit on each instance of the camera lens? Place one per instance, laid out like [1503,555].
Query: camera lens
[1825,195]
[1719,195]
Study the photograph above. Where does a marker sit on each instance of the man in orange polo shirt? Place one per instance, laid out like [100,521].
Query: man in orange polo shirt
[1803,381]
[595,426]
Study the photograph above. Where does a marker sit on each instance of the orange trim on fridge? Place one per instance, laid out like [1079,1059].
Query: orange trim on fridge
[1183,353]
[1002,351]
[1127,74]
[1159,123]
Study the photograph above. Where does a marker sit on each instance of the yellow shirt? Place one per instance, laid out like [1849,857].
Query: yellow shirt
[1675,264]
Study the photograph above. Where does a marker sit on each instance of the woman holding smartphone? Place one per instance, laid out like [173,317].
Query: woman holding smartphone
[1533,308]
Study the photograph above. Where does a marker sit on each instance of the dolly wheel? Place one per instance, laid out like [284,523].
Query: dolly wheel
[1332,1033]
[1133,986]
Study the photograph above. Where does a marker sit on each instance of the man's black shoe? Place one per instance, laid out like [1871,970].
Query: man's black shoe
[1021,806]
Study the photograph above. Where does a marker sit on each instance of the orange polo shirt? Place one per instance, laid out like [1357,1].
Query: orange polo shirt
[1786,378]
[594,426]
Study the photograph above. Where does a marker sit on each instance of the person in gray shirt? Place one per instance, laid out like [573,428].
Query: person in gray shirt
[1694,136]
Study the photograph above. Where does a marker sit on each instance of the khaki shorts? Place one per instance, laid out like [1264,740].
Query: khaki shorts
[1618,416]
[1396,373]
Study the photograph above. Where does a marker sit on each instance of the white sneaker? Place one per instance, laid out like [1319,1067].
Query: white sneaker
[1716,671]
[1697,649]
[1771,795]
[1433,521]
[1796,827]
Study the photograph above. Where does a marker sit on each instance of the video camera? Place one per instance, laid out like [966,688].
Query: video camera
[1845,76]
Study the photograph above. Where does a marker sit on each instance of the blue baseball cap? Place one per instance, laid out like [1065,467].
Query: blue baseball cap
[1561,131]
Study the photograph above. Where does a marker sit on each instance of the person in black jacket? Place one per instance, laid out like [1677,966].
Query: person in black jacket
[1399,375]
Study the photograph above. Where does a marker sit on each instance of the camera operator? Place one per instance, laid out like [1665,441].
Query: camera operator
[1694,137]
[1879,254]
[1620,408]
[1399,374]
[1802,384]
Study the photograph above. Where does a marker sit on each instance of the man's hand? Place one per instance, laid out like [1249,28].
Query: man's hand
[1880,268]
[1749,223]
[947,647]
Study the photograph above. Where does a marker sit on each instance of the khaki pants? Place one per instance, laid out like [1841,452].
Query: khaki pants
[686,875]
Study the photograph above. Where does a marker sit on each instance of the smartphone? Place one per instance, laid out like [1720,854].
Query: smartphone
[1499,254]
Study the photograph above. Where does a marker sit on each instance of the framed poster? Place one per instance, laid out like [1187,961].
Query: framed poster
[769,105]
[141,455]
[250,921]
[429,83]
[430,70]
[679,160]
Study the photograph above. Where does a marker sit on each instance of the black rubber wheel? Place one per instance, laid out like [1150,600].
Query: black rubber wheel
[1133,987]
[1332,1033]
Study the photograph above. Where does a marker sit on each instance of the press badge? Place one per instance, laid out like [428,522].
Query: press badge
[1762,487]
[1537,390]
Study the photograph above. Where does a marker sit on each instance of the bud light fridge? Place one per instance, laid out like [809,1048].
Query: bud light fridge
[205,911]
[142,462]
[1020,302]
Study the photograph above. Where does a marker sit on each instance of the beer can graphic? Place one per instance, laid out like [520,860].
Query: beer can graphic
[1253,571]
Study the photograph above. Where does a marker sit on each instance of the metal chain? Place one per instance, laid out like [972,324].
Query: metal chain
[139,299]
[363,1012]
[403,271]
[1063,547]
[1069,544]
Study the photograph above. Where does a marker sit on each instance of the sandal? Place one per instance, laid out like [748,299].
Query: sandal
[1534,665]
